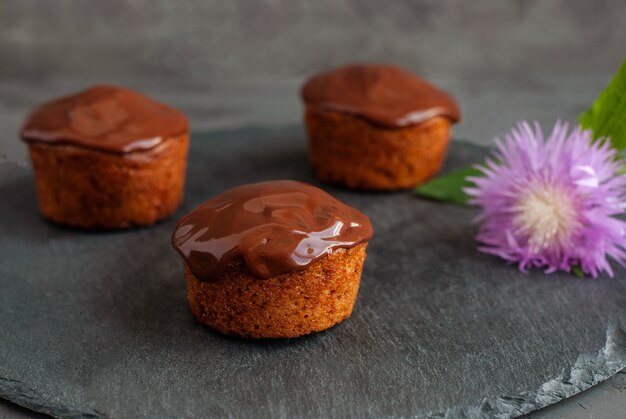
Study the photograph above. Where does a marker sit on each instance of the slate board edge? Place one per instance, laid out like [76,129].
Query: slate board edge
[587,371]
[21,394]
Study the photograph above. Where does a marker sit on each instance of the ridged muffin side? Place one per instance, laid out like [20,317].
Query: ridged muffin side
[284,306]
[347,150]
[92,189]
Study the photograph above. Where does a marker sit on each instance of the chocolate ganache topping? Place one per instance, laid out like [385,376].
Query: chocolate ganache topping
[106,118]
[382,94]
[277,227]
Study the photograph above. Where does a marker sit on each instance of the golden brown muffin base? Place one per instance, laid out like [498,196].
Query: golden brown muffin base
[347,150]
[284,306]
[92,189]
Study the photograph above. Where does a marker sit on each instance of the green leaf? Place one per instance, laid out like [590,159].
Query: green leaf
[578,271]
[449,188]
[607,115]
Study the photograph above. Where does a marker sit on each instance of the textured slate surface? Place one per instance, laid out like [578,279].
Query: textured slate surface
[97,324]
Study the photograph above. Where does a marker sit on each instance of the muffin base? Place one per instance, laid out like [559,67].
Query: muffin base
[91,189]
[284,306]
[347,150]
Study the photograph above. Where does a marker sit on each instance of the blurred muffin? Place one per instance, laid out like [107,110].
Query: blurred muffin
[273,259]
[376,127]
[107,158]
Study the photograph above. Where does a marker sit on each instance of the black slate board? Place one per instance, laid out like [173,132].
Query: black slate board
[97,324]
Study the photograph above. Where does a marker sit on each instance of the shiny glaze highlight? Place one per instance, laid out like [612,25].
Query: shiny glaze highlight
[278,227]
[106,118]
[382,94]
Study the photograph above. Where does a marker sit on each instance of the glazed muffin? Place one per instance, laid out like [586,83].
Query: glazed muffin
[107,158]
[376,127]
[274,259]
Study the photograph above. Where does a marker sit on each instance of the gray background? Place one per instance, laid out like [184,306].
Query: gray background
[234,63]
[275,39]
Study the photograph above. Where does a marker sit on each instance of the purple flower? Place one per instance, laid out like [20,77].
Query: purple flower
[551,202]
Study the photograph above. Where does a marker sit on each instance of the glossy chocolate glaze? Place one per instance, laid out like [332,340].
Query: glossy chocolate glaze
[382,94]
[105,118]
[277,227]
